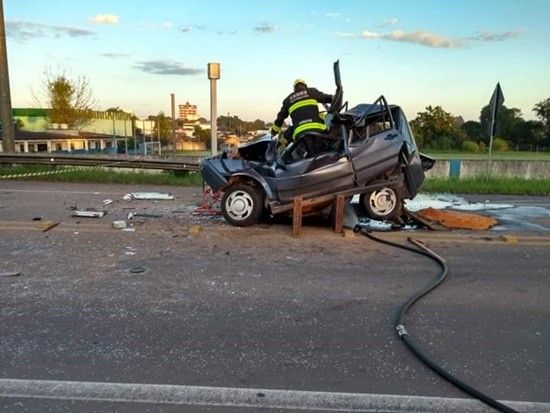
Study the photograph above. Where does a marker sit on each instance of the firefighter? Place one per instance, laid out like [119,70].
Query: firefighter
[302,107]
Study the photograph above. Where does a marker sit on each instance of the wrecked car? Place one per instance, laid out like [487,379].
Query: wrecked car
[368,150]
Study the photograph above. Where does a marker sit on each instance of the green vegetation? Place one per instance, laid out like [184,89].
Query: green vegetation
[97,175]
[480,185]
[436,129]
[105,176]
[509,155]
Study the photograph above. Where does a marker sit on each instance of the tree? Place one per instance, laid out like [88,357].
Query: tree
[203,135]
[162,128]
[436,128]
[238,126]
[18,124]
[116,110]
[508,120]
[70,100]
[542,110]
[474,130]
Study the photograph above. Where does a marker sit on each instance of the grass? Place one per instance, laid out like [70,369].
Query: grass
[505,186]
[479,185]
[509,155]
[105,176]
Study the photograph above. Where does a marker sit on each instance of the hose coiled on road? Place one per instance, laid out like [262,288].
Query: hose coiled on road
[404,335]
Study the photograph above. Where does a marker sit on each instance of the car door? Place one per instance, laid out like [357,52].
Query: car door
[324,173]
[375,144]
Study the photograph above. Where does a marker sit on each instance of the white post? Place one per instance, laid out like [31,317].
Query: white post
[213,75]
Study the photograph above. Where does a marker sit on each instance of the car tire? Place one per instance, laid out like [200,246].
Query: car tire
[383,204]
[242,204]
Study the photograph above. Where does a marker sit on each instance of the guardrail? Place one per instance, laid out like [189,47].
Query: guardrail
[105,161]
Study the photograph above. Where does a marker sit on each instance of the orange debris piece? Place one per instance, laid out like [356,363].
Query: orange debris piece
[458,220]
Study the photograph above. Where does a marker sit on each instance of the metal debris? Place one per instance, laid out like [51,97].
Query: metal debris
[142,215]
[88,213]
[10,274]
[152,195]
[119,224]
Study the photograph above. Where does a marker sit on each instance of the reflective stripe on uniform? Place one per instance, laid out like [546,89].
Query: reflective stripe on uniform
[308,126]
[301,104]
[276,128]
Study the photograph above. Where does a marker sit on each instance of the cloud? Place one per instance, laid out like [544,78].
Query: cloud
[345,34]
[26,30]
[191,27]
[421,37]
[166,25]
[483,36]
[114,55]
[166,67]
[391,22]
[333,15]
[104,19]
[265,28]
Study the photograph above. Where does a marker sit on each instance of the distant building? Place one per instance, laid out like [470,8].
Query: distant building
[188,112]
[104,133]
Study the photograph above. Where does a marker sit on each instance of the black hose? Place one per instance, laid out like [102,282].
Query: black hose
[404,335]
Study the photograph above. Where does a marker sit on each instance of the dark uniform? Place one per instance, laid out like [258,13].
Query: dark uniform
[302,107]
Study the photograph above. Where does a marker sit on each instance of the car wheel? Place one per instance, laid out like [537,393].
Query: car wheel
[383,204]
[242,204]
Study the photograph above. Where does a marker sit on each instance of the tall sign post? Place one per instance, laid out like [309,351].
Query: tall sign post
[8,130]
[213,75]
[497,99]
[173,99]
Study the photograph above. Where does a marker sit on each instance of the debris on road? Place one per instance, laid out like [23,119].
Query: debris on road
[137,270]
[210,204]
[142,215]
[119,224]
[151,196]
[107,201]
[509,239]
[36,218]
[195,229]
[10,274]
[457,220]
[88,213]
[47,225]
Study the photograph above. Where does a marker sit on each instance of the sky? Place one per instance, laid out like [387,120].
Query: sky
[135,53]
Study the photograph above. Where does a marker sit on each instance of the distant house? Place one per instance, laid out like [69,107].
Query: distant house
[104,133]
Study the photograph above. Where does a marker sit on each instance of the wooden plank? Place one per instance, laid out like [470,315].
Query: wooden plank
[278,207]
[297,216]
[338,206]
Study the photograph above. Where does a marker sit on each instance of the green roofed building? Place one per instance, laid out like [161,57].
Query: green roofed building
[35,133]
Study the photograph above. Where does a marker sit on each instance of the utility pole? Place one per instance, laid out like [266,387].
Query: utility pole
[173,99]
[8,130]
[213,75]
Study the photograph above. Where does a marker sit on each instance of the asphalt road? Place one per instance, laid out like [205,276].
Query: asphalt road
[213,305]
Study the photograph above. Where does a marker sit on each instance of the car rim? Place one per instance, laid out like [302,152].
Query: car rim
[239,205]
[383,201]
